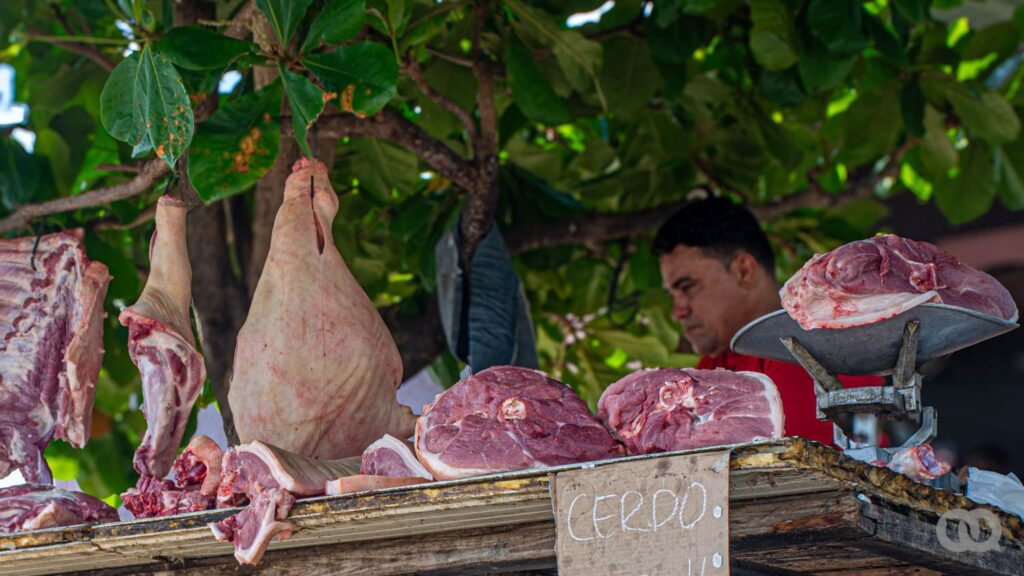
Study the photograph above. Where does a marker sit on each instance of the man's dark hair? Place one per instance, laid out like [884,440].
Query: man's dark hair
[719,226]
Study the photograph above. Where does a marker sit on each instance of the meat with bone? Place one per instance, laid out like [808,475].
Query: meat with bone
[389,456]
[870,280]
[161,344]
[38,506]
[51,347]
[315,368]
[194,488]
[269,479]
[660,410]
[508,418]
[919,463]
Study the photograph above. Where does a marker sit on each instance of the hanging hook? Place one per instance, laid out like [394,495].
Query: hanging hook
[35,246]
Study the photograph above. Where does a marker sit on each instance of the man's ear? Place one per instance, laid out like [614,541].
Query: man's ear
[744,269]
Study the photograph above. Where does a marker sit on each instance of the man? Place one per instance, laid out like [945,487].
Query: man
[718,265]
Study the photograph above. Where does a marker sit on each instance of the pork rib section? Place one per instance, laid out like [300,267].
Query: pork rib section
[870,280]
[315,369]
[194,488]
[51,347]
[389,456]
[161,344]
[38,506]
[508,418]
[660,410]
[269,479]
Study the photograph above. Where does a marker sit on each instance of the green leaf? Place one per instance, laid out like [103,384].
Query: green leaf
[19,174]
[398,16]
[198,48]
[382,168]
[913,10]
[306,101]
[821,71]
[912,103]
[365,75]
[970,193]
[887,42]
[339,21]
[1001,39]
[531,92]
[144,101]
[871,126]
[1009,162]
[938,155]
[987,115]
[284,16]
[836,24]
[51,145]
[237,145]
[771,39]
[629,75]
[579,58]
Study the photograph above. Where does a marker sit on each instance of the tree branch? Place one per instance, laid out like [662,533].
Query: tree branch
[591,227]
[478,213]
[80,48]
[152,172]
[412,69]
[389,125]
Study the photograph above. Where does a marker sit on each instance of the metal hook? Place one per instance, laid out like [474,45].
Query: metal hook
[35,247]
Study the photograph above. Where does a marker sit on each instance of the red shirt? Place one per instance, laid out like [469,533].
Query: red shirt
[795,388]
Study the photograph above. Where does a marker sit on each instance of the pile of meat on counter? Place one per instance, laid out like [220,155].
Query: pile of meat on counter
[316,370]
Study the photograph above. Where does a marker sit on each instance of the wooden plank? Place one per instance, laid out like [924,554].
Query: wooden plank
[914,539]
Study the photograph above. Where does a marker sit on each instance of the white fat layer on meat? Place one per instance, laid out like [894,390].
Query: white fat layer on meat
[771,393]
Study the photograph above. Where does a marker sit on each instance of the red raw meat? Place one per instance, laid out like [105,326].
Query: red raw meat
[661,410]
[38,506]
[51,347]
[315,368]
[196,477]
[161,343]
[389,456]
[870,280]
[508,418]
[919,463]
[269,479]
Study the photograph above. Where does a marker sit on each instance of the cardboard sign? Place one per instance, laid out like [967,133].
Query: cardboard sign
[645,518]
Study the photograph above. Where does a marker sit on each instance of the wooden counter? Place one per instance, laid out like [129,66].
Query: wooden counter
[795,507]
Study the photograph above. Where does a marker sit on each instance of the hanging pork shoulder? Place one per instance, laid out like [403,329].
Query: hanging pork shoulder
[315,369]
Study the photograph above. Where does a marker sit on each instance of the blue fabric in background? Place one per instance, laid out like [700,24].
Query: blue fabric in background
[492,327]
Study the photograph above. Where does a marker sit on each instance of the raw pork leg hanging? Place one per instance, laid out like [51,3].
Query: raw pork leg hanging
[269,478]
[870,280]
[508,418]
[315,368]
[51,347]
[161,344]
[660,410]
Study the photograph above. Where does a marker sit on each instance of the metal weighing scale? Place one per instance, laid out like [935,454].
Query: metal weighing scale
[895,346]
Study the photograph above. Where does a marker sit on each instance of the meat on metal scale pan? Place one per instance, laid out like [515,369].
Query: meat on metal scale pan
[871,348]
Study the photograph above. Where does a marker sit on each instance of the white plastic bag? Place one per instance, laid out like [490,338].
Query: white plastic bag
[1003,491]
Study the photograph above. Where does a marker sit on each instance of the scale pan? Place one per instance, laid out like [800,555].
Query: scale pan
[871,348]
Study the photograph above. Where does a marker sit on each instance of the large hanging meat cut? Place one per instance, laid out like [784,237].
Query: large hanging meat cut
[161,343]
[51,347]
[660,410]
[315,369]
[508,418]
[870,280]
